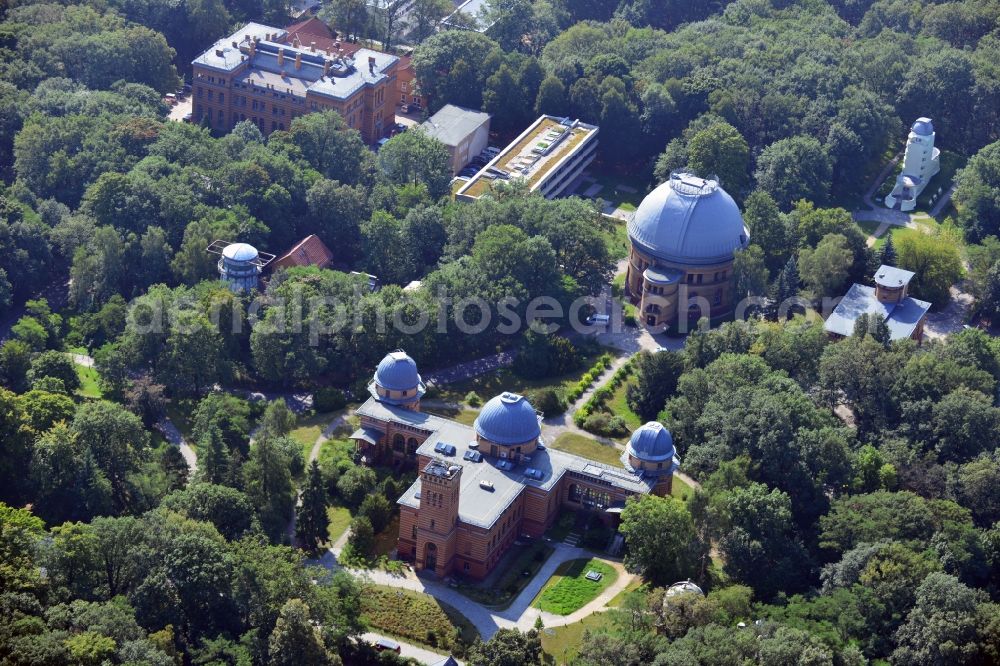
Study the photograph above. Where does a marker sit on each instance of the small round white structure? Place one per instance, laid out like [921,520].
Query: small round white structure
[240,267]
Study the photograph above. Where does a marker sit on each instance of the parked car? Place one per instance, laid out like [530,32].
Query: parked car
[400,127]
[598,320]
[187,117]
[468,171]
[383,644]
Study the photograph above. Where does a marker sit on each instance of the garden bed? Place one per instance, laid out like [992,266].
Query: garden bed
[509,582]
[417,618]
[569,589]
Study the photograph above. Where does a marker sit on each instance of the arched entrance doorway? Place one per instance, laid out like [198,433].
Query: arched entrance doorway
[430,556]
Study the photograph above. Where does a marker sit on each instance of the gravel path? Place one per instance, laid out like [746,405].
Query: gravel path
[423,655]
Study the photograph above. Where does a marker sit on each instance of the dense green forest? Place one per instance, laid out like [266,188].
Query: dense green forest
[849,504]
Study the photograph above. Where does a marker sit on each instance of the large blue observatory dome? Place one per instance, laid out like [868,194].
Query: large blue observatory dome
[508,419]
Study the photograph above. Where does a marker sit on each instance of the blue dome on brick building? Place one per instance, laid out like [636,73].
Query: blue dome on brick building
[508,419]
[652,442]
[689,220]
[396,380]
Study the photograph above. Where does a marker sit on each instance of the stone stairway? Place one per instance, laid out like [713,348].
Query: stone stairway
[572,539]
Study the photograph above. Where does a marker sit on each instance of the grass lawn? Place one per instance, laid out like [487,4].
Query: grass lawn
[617,238]
[416,618]
[504,379]
[569,590]
[517,562]
[334,449]
[680,489]
[339,520]
[618,406]
[89,387]
[308,429]
[584,446]
[635,586]
[563,643]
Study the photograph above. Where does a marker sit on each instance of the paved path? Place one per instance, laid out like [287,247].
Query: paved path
[882,228]
[487,621]
[174,437]
[83,359]
[462,371]
[942,201]
[423,655]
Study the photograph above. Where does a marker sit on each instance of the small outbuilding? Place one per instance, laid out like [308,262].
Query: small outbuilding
[889,299]
[464,132]
[310,251]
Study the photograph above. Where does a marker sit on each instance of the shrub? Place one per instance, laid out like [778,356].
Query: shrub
[629,320]
[587,379]
[547,401]
[472,399]
[596,423]
[329,399]
[617,426]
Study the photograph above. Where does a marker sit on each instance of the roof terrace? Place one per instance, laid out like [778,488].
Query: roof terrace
[532,156]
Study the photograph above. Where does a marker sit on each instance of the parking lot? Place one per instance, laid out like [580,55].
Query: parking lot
[181,109]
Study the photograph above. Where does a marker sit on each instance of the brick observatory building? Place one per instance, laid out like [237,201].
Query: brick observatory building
[481,487]
[262,74]
[684,236]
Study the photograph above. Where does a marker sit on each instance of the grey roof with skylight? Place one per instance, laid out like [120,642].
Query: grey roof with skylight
[453,124]
[477,505]
[902,318]
[892,277]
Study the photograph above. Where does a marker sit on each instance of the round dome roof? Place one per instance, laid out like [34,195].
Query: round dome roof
[397,372]
[689,220]
[508,419]
[682,587]
[651,442]
[923,127]
[240,252]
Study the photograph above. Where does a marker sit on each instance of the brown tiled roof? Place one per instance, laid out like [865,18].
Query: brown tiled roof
[315,30]
[310,251]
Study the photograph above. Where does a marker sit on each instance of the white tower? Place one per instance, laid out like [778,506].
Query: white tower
[920,162]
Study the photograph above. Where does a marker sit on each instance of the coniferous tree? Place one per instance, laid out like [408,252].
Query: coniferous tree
[214,463]
[888,254]
[310,519]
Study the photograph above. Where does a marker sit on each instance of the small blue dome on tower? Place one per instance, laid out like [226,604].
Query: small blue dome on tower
[508,419]
[923,127]
[397,372]
[397,381]
[652,442]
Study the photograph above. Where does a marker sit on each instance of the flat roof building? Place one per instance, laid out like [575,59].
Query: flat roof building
[261,74]
[888,299]
[483,486]
[464,132]
[549,156]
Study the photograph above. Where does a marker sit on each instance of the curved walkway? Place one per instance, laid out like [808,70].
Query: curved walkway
[520,614]
[175,438]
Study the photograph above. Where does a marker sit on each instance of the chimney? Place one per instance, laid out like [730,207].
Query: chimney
[312,46]
[298,61]
[295,42]
[328,52]
[218,53]
[326,68]
[371,64]
[281,57]
[235,44]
